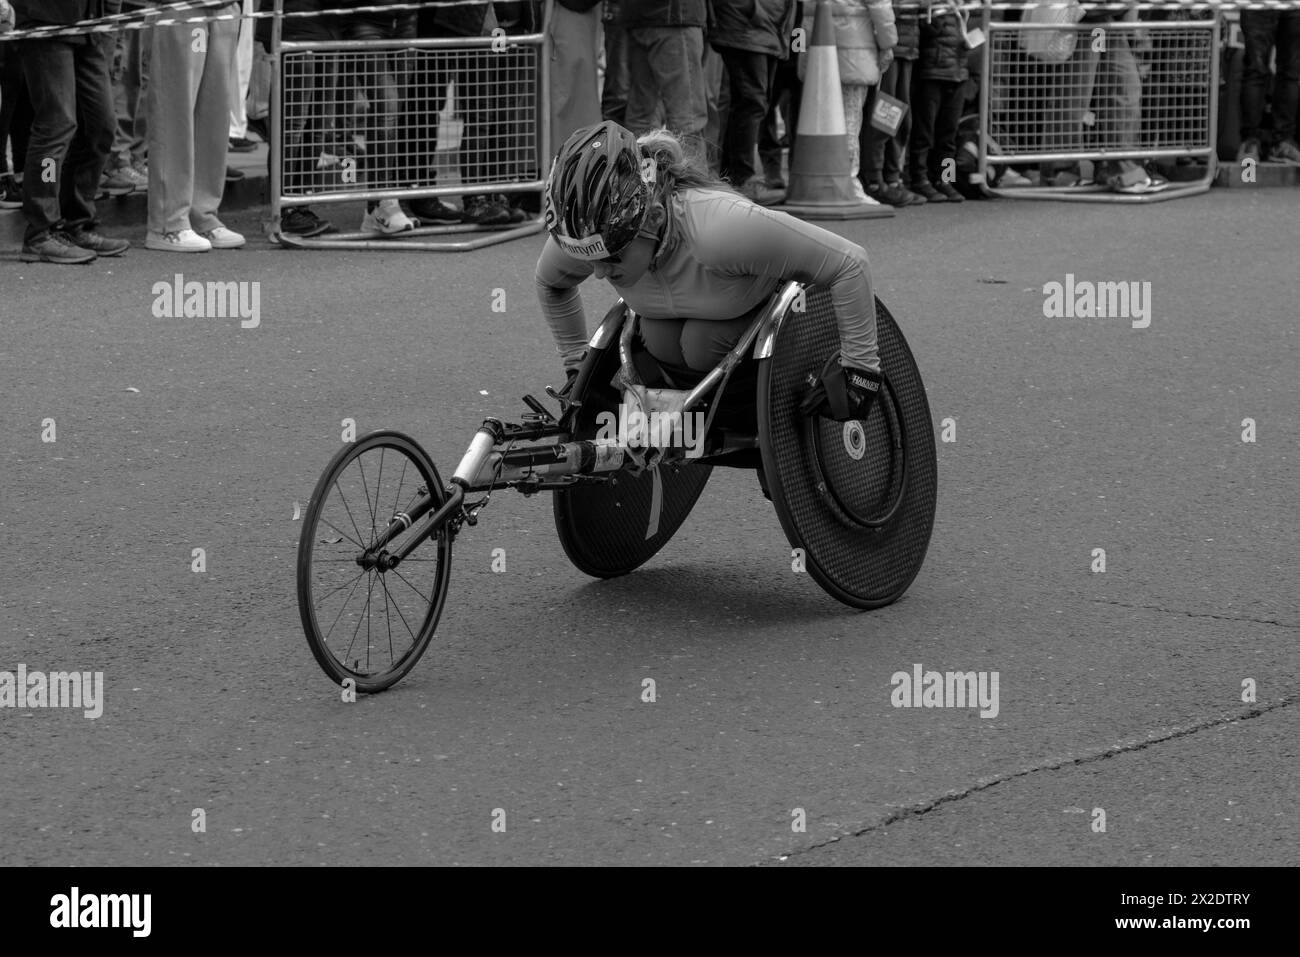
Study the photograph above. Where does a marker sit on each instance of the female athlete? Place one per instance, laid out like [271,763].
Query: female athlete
[680,246]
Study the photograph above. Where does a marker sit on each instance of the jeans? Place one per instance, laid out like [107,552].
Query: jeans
[668,63]
[613,97]
[783,98]
[72,131]
[936,105]
[884,156]
[1261,29]
[750,76]
[1110,82]
[130,79]
[15,107]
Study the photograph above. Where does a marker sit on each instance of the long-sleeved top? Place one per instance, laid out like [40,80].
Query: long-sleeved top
[44,13]
[727,256]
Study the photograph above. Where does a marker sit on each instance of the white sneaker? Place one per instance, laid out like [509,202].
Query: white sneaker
[860,193]
[223,238]
[181,241]
[386,219]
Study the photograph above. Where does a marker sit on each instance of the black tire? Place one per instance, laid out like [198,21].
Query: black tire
[861,510]
[608,530]
[331,536]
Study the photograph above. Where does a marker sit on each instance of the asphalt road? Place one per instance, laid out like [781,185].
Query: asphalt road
[1119,691]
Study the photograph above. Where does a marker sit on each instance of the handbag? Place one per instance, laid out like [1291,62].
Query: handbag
[1051,46]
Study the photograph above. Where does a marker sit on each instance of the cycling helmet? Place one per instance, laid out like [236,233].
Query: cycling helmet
[598,192]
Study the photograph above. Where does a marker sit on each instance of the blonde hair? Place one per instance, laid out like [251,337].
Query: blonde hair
[675,171]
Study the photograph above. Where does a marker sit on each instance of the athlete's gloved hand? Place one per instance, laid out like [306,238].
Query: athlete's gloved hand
[842,392]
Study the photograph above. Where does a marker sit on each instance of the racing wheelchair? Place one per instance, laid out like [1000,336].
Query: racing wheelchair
[857,499]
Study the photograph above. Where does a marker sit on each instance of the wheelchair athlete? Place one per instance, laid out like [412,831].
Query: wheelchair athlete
[695,259]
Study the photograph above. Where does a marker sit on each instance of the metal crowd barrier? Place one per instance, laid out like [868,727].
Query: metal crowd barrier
[372,120]
[1034,110]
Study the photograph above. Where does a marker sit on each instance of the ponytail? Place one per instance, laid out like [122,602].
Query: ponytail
[674,171]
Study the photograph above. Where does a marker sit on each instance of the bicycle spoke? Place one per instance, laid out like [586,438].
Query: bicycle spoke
[412,587]
[317,603]
[343,533]
[357,630]
[349,510]
[388,619]
[399,612]
[366,489]
[356,582]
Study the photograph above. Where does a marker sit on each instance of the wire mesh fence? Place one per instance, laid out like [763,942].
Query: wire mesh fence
[1059,93]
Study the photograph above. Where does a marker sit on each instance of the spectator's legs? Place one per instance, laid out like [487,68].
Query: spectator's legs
[1258,28]
[943,154]
[189,123]
[666,62]
[15,107]
[717,98]
[784,100]
[72,131]
[129,81]
[927,97]
[243,75]
[854,98]
[895,155]
[575,100]
[51,80]
[613,97]
[749,77]
[1286,92]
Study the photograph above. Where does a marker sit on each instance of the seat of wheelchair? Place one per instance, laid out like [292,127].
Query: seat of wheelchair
[737,410]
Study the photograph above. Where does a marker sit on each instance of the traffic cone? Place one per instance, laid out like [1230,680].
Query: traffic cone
[821,185]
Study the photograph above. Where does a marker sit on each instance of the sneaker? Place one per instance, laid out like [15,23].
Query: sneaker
[895,194]
[11,192]
[950,192]
[756,191]
[117,183]
[98,244]
[431,209]
[927,192]
[1285,152]
[301,221]
[222,238]
[517,215]
[179,241]
[259,127]
[1249,149]
[386,219]
[481,211]
[233,175]
[1010,179]
[139,175]
[861,195]
[242,144]
[773,179]
[56,248]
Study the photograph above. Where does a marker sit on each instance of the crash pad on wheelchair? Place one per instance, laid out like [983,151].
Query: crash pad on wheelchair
[858,497]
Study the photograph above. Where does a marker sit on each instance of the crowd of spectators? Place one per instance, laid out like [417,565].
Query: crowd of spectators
[158,110]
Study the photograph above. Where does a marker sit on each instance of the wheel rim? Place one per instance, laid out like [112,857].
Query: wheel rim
[860,468]
[370,624]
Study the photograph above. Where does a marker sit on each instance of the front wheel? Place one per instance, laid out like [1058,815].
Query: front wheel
[363,623]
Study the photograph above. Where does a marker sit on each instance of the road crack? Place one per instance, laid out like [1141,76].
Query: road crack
[1159,737]
[1192,614]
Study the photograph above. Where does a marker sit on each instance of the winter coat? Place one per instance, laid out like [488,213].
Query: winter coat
[664,13]
[863,29]
[761,26]
[44,13]
[943,51]
[909,31]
